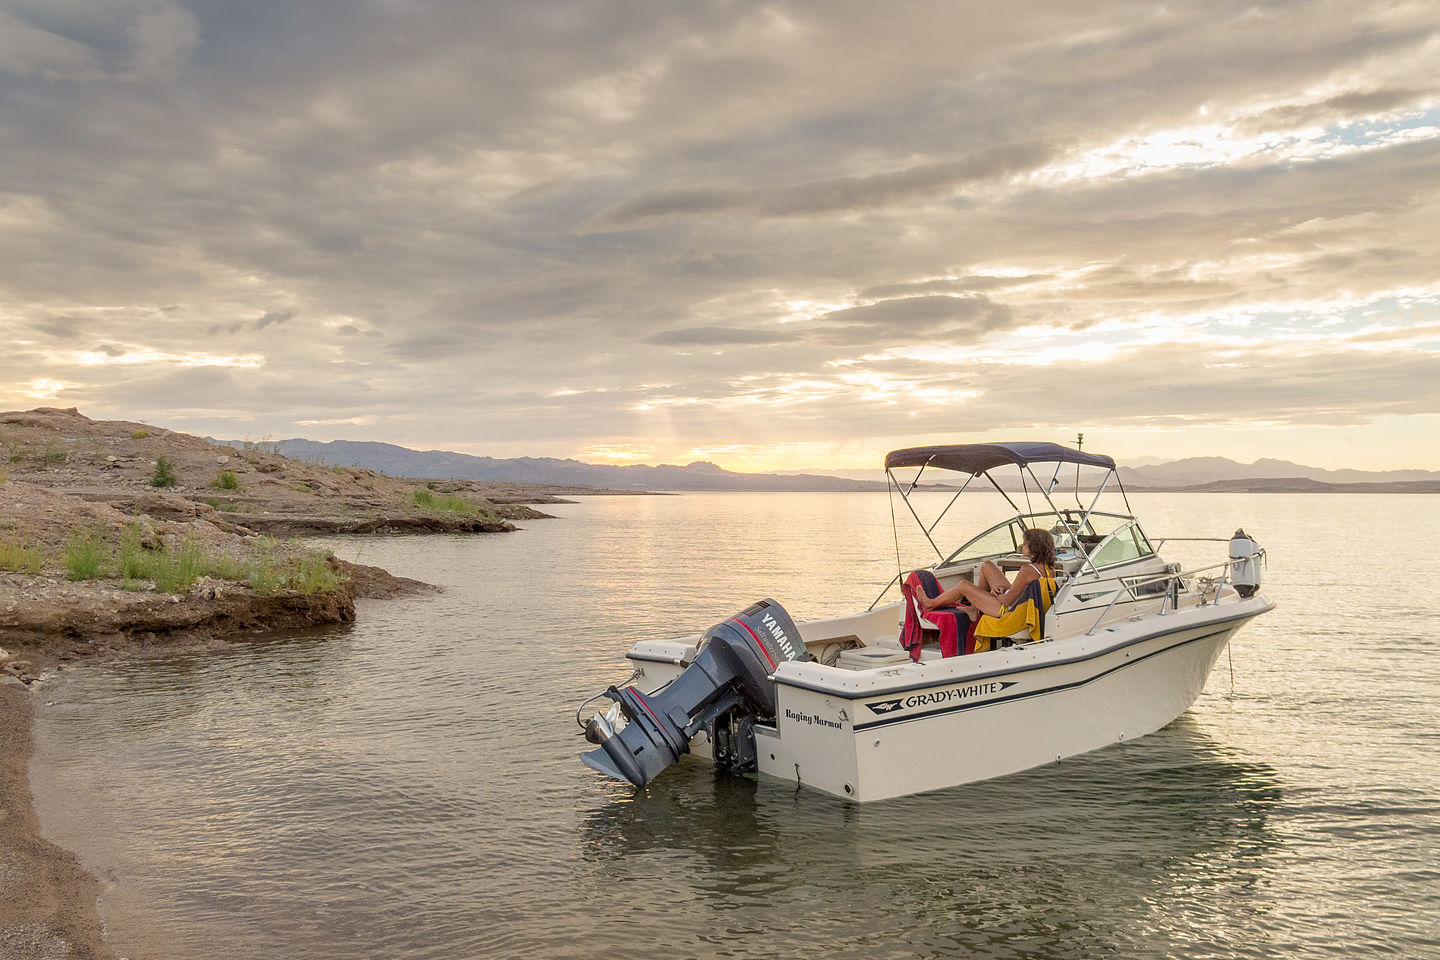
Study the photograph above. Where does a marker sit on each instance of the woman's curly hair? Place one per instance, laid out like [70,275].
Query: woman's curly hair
[1042,546]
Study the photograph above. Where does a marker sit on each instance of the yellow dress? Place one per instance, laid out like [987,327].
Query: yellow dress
[1028,613]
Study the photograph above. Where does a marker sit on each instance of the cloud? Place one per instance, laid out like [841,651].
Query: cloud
[843,194]
[26,50]
[921,317]
[61,328]
[126,41]
[949,285]
[536,229]
[274,317]
[718,336]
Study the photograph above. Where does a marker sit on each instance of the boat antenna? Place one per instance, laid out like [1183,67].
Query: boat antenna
[1079,446]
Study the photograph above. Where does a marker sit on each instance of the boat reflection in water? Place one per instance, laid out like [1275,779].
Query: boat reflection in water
[1100,855]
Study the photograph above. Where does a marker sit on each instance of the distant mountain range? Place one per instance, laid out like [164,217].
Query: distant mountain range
[1193,471]
[440,464]
[1200,473]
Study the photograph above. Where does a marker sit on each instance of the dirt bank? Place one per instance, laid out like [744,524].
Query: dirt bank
[47,900]
[119,462]
[137,594]
[118,536]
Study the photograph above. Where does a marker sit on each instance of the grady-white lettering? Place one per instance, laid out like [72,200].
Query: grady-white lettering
[785,644]
[956,693]
[934,697]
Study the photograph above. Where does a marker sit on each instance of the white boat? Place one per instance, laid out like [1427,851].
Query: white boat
[839,706]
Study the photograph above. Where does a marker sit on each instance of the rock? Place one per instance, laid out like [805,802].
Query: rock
[208,588]
[221,461]
[4,656]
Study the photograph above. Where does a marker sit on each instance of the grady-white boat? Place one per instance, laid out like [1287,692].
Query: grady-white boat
[838,705]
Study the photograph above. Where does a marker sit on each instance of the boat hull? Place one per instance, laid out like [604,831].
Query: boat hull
[888,732]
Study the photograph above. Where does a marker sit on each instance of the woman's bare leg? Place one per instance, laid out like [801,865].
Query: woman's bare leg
[981,600]
[992,576]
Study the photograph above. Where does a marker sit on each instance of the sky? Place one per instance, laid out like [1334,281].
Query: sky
[768,235]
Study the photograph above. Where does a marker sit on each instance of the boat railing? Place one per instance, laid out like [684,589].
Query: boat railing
[1174,580]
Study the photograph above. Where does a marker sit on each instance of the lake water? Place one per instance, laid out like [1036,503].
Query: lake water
[407,787]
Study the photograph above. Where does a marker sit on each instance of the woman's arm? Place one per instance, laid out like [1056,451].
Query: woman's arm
[1023,576]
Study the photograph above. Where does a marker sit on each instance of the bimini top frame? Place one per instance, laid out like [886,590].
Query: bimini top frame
[979,459]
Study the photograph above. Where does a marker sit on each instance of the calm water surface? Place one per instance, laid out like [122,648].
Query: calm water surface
[407,787]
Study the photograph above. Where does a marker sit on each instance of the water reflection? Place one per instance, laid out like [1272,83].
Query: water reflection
[1069,860]
[161,688]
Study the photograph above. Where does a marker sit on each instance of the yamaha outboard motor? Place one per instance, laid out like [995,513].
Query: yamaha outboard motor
[725,690]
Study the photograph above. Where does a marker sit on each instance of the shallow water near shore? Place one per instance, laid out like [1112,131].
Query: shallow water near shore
[408,786]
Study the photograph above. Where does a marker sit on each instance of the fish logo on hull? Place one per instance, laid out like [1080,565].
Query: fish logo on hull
[883,706]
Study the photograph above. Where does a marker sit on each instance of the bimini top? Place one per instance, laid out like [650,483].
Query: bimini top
[976,458]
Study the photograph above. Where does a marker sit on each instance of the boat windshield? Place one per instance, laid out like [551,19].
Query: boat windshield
[1113,533]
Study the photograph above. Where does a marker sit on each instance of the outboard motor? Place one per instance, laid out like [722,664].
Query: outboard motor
[725,690]
[1244,564]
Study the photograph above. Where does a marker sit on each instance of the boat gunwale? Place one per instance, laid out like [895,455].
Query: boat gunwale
[1058,688]
[815,687]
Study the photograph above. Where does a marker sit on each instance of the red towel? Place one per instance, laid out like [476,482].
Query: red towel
[952,622]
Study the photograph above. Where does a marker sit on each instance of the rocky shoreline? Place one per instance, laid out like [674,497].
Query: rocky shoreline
[118,537]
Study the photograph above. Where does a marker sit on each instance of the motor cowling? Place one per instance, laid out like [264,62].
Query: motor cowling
[1244,564]
[729,678]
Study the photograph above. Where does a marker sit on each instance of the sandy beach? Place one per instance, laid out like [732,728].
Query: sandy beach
[47,900]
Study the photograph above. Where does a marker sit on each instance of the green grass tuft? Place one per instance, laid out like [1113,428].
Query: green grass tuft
[86,555]
[426,499]
[271,568]
[20,557]
[274,568]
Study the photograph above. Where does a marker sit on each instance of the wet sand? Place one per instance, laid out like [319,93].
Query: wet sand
[47,900]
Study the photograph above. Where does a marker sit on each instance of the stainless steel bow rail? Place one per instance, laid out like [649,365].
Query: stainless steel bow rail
[1175,584]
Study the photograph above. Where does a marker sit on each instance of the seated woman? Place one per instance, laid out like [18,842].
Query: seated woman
[1001,607]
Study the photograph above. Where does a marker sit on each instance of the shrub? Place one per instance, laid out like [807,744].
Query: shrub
[54,453]
[86,555]
[226,480]
[164,475]
[139,434]
[20,557]
[131,557]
